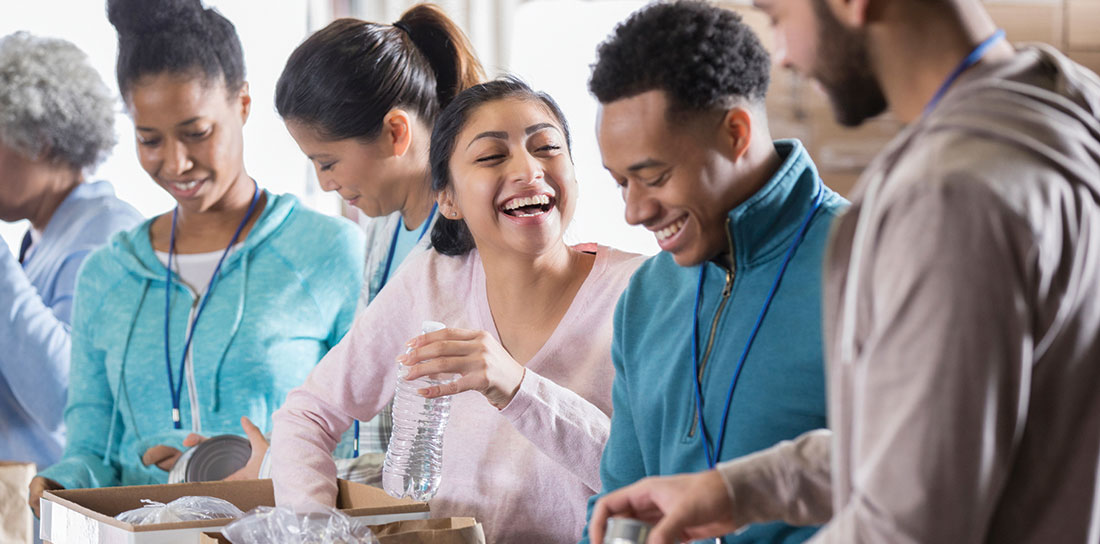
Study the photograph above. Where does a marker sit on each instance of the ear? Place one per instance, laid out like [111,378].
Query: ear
[851,13]
[736,132]
[447,205]
[245,102]
[397,126]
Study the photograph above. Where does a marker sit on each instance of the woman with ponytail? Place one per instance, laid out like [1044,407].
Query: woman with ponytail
[208,313]
[360,99]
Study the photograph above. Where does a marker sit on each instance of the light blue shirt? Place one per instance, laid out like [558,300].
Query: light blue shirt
[36,298]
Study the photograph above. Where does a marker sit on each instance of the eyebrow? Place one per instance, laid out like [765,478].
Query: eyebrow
[648,163]
[180,124]
[537,127]
[501,135]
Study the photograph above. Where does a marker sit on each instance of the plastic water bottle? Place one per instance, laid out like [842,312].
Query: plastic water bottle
[414,458]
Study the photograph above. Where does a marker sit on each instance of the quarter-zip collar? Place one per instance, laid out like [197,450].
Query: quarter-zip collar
[761,227]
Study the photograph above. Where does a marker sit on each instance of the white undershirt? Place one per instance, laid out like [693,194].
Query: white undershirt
[194,269]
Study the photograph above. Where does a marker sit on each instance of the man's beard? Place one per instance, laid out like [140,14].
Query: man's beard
[843,68]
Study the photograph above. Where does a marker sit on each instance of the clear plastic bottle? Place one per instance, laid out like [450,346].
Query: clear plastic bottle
[414,458]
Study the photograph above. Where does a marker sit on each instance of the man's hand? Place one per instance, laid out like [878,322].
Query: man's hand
[682,507]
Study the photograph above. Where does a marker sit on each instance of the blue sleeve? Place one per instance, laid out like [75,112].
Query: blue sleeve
[90,409]
[622,462]
[35,337]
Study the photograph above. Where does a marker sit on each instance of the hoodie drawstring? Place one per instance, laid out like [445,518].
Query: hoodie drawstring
[116,412]
[232,332]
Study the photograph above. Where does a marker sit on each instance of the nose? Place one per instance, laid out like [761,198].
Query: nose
[779,53]
[176,159]
[641,208]
[326,183]
[525,168]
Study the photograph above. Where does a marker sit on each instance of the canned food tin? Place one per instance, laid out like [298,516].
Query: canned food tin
[626,531]
[213,459]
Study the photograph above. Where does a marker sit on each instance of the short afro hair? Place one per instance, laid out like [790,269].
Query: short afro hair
[53,105]
[704,57]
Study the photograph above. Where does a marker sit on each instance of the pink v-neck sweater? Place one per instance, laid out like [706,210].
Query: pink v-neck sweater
[526,471]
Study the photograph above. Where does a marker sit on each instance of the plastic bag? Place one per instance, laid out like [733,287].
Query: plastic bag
[181,509]
[325,525]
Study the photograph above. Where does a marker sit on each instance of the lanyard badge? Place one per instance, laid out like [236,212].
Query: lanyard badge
[712,457]
[175,389]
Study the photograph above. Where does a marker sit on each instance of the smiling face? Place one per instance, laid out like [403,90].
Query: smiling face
[362,172]
[512,179]
[190,137]
[676,179]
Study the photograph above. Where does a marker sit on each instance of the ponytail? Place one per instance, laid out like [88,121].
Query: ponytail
[344,78]
[446,48]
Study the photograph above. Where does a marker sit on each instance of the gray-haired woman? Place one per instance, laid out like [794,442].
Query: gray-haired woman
[56,125]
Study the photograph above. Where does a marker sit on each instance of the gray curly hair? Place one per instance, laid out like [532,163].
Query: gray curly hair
[53,105]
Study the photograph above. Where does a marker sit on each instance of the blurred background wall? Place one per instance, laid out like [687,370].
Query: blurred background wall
[549,43]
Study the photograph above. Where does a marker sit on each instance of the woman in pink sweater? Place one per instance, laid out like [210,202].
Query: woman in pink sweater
[530,332]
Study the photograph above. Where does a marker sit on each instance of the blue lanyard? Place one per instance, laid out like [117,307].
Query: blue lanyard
[712,460]
[386,277]
[970,60]
[177,389]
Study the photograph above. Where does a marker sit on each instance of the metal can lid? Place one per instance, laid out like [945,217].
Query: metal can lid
[218,457]
[626,531]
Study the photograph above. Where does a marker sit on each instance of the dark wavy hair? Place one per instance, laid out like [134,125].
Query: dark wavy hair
[344,78]
[704,57]
[175,36]
[452,236]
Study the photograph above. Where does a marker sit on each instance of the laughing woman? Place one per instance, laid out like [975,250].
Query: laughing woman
[216,309]
[530,332]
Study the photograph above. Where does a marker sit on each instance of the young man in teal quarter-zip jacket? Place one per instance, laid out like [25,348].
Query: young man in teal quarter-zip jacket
[727,318]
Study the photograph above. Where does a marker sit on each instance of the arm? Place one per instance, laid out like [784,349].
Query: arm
[92,424]
[353,381]
[943,371]
[622,462]
[789,481]
[561,423]
[35,336]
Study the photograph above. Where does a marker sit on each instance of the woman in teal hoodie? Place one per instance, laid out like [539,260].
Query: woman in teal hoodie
[215,310]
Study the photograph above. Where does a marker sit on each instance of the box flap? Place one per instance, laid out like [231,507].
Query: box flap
[103,504]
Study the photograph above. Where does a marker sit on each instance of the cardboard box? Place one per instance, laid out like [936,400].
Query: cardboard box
[431,531]
[87,516]
[1031,21]
[213,538]
[1088,59]
[1083,24]
[18,524]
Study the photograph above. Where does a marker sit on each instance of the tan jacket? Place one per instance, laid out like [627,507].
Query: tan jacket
[968,410]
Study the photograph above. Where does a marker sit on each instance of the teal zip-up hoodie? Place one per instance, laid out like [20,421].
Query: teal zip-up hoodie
[781,391]
[283,298]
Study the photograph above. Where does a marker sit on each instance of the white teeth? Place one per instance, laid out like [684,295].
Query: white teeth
[185,186]
[671,229]
[526,201]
